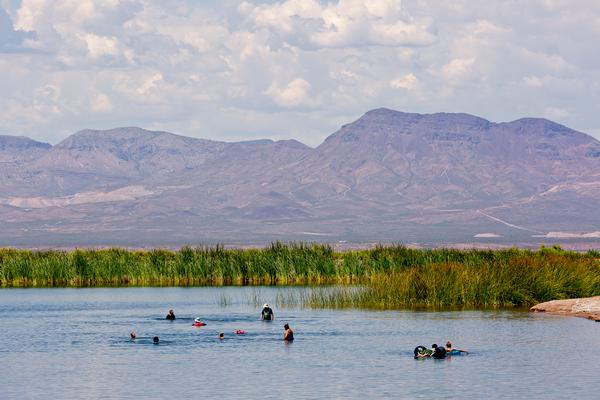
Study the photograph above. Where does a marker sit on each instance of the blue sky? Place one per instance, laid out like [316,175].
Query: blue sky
[234,70]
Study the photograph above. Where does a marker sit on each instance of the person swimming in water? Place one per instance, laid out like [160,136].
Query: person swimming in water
[267,313]
[451,351]
[288,333]
[422,352]
[221,336]
[132,335]
[435,351]
[155,339]
[438,351]
[171,315]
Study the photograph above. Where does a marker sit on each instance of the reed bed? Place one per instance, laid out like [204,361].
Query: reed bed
[276,264]
[387,277]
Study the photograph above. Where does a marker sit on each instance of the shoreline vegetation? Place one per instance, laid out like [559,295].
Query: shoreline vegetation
[390,277]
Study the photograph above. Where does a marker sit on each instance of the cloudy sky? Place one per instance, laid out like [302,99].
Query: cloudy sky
[233,70]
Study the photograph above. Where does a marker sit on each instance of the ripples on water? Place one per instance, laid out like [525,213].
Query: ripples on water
[74,343]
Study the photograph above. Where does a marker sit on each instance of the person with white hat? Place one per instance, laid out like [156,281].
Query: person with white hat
[267,313]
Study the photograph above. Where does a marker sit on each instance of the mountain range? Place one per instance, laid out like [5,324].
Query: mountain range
[387,177]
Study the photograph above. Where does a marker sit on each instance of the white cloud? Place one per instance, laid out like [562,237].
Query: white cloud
[347,23]
[408,82]
[533,81]
[458,69]
[150,83]
[102,104]
[11,40]
[484,26]
[74,29]
[99,46]
[294,93]
[282,68]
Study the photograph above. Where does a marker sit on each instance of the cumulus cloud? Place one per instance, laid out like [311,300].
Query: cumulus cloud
[294,93]
[291,68]
[408,81]
[12,40]
[150,83]
[458,69]
[75,30]
[99,46]
[347,23]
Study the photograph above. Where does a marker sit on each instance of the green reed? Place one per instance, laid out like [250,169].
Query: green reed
[279,263]
[390,277]
[472,279]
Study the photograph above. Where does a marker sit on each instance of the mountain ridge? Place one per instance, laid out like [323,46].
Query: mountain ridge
[388,175]
[378,112]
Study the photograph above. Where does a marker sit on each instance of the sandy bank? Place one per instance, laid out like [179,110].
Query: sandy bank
[588,307]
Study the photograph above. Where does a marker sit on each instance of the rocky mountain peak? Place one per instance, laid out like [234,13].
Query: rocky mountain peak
[16,143]
[118,137]
[17,149]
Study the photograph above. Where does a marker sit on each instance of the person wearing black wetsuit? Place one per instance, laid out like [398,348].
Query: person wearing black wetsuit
[438,351]
[267,313]
[171,315]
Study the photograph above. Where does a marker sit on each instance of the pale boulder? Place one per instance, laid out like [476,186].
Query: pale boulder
[588,307]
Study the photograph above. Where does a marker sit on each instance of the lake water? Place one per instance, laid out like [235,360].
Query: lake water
[74,344]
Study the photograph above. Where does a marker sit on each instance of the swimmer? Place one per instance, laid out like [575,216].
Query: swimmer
[422,352]
[155,339]
[221,336]
[438,351]
[450,350]
[171,315]
[288,334]
[132,335]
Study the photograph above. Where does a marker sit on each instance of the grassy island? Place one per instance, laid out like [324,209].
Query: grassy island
[382,277]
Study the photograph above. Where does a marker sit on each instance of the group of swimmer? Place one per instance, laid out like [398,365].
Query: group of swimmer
[133,336]
[266,314]
[437,352]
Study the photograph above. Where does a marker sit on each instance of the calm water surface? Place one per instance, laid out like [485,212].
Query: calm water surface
[73,344]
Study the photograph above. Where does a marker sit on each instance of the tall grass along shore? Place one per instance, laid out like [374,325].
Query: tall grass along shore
[387,277]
